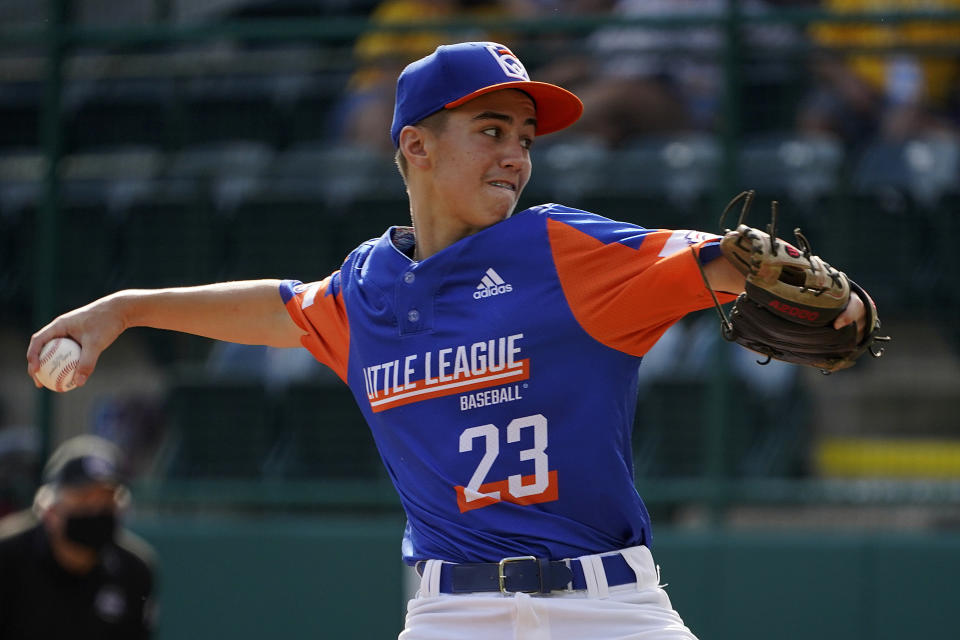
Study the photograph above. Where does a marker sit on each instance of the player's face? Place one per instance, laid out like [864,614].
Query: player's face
[91,498]
[482,158]
[82,512]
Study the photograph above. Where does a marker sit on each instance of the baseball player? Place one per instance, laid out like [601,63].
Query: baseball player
[494,356]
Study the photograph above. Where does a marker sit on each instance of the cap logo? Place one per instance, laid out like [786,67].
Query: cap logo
[511,65]
[97,468]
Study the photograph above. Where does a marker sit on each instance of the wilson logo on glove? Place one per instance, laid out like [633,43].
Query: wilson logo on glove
[796,312]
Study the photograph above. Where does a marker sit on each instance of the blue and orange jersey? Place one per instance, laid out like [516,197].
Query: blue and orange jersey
[499,376]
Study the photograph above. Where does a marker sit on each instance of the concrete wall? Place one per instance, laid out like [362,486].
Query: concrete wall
[342,578]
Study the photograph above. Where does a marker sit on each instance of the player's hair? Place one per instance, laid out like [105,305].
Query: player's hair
[436,122]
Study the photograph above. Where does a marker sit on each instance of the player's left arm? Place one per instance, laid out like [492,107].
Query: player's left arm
[724,277]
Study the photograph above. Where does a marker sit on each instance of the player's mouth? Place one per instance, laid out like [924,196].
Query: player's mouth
[502,184]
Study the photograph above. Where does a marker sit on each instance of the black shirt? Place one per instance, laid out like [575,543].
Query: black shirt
[40,600]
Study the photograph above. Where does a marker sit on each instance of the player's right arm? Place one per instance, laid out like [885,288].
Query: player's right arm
[247,312]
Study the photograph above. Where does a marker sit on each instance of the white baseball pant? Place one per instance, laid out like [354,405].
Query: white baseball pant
[636,611]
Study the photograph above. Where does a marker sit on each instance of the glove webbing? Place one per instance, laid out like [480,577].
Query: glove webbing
[726,329]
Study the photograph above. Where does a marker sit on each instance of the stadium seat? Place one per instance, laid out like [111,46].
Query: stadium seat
[20,109]
[672,430]
[16,241]
[210,160]
[118,113]
[215,109]
[668,431]
[227,170]
[308,110]
[649,211]
[21,165]
[683,167]
[89,248]
[340,173]
[565,170]
[324,434]
[112,177]
[924,169]
[21,172]
[278,234]
[883,242]
[771,85]
[85,253]
[893,211]
[946,273]
[656,182]
[297,8]
[219,430]
[786,166]
[171,238]
[117,162]
[315,204]
[369,217]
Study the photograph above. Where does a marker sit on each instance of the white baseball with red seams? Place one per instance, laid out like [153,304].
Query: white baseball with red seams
[59,359]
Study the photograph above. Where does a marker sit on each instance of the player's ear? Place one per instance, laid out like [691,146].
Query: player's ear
[122,499]
[414,146]
[43,499]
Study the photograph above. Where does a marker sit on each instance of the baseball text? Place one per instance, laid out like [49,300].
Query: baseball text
[420,376]
[490,397]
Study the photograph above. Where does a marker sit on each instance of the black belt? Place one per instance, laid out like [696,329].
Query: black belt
[527,574]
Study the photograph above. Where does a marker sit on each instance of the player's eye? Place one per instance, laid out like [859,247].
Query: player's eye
[493,132]
[526,142]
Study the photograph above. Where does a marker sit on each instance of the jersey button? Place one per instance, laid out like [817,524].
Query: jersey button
[408,277]
[413,315]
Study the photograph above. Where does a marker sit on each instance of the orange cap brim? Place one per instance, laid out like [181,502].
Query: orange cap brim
[557,108]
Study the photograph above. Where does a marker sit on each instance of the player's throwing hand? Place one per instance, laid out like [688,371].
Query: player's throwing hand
[95,326]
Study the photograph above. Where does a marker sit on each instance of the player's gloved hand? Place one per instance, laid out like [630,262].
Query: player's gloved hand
[796,307]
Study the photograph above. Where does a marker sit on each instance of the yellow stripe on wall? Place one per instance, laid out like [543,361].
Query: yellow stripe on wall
[888,457]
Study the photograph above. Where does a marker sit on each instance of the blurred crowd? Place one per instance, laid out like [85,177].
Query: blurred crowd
[667,77]
[898,94]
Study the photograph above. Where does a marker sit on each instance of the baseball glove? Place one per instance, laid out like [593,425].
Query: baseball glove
[791,299]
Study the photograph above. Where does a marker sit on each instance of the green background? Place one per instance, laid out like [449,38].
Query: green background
[342,578]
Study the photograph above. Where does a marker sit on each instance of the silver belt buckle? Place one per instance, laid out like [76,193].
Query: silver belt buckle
[501,577]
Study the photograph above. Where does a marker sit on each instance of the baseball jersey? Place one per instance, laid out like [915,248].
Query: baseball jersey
[499,376]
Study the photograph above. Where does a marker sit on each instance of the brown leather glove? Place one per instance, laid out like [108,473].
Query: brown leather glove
[791,300]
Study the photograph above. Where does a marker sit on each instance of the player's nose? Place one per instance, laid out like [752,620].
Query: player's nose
[515,156]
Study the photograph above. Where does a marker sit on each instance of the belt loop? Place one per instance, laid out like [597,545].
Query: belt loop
[595,576]
[641,561]
[566,561]
[430,582]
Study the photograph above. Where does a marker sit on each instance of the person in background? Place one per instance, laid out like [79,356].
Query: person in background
[638,80]
[381,55]
[67,569]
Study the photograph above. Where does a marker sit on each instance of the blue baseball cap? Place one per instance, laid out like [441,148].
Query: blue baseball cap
[457,73]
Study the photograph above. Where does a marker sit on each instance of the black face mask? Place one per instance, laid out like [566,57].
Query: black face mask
[92,530]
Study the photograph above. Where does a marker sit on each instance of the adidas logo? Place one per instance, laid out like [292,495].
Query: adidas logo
[491,285]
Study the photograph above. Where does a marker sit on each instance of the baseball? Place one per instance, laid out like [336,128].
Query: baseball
[59,359]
